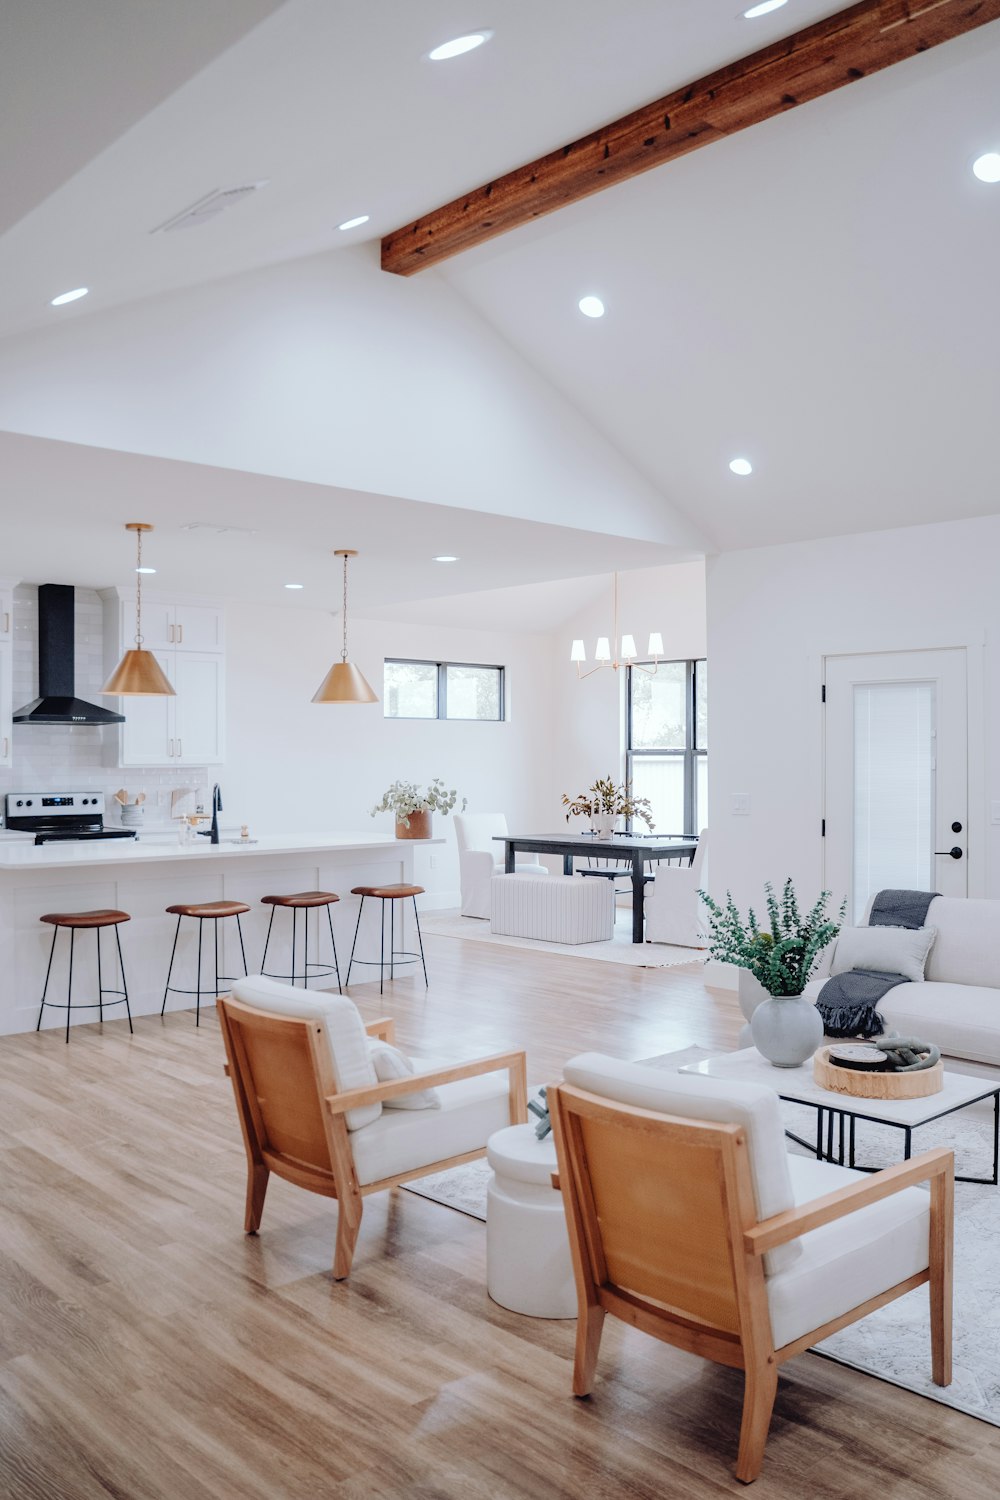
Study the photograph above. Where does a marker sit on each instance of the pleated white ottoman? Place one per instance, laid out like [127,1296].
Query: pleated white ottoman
[556,909]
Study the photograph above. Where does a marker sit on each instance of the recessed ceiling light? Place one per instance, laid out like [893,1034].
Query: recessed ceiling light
[81,291]
[591,307]
[459,45]
[987,168]
[741,466]
[444,557]
[145,570]
[294,585]
[353,223]
[763,9]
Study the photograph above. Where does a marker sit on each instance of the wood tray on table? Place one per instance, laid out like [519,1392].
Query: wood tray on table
[876,1085]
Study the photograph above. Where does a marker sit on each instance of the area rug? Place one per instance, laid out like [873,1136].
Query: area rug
[619,949]
[893,1343]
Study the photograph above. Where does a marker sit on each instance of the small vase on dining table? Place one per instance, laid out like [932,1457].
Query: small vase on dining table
[604,826]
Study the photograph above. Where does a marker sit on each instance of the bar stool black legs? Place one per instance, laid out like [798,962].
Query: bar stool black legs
[304,901]
[78,921]
[205,911]
[388,894]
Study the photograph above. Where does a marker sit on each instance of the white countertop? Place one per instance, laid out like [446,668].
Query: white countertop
[17,856]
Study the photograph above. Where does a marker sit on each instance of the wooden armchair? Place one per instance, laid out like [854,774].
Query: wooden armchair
[685,1221]
[311,1107]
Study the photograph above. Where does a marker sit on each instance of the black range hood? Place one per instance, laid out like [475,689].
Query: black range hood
[56,702]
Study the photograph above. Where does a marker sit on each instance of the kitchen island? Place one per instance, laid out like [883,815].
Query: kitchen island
[145,877]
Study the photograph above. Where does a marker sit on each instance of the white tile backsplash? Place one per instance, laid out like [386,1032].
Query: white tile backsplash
[75,757]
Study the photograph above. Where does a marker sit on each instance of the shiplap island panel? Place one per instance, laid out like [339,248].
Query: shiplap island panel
[145,877]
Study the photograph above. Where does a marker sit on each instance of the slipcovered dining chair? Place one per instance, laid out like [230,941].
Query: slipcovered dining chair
[329,1104]
[688,1220]
[672,906]
[480,858]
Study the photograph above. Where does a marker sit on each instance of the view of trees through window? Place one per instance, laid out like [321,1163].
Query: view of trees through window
[442,690]
[667,743]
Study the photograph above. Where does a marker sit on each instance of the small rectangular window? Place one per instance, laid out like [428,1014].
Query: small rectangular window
[443,690]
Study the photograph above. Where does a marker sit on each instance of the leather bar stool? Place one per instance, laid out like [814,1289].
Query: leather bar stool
[205,911]
[305,902]
[390,894]
[79,921]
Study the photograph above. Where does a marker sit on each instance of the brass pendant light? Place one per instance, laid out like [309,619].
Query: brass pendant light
[138,674]
[344,683]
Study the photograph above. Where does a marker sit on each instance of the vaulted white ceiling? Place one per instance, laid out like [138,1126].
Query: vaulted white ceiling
[818,293]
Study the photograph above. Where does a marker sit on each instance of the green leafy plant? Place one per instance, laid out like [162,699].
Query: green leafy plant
[405,797]
[783,952]
[606,799]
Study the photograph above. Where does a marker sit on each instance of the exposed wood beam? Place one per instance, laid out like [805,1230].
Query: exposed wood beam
[845,47]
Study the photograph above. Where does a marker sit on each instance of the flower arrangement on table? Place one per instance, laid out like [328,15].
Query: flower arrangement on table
[606,800]
[781,955]
[404,798]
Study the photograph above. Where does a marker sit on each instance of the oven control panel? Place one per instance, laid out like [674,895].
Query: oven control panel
[54,804]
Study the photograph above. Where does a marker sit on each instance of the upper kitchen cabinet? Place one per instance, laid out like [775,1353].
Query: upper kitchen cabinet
[6,705]
[187,636]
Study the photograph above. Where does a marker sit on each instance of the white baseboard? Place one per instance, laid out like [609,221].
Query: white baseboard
[439,900]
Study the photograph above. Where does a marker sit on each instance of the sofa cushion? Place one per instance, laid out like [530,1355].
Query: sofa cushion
[402,1141]
[698,1098]
[390,1065]
[342,1025]
[962,1019]
[849,1260]
[967,950]
[888,950]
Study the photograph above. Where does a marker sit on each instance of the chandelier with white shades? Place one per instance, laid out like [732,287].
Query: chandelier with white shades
[617,651]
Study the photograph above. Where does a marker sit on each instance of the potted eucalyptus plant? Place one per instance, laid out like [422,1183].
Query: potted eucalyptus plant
[605,802]
[780,954]
[412,808]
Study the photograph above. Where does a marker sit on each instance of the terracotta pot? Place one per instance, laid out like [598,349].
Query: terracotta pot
[420,826]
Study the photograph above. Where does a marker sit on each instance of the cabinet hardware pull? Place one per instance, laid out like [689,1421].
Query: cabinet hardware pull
[179,750]
[170,752]
[6,622]
[6,742]
[180,634]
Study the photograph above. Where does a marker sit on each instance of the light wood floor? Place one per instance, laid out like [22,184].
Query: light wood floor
[149,1351]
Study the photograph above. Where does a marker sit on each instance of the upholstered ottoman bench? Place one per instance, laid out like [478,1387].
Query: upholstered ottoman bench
[558,909]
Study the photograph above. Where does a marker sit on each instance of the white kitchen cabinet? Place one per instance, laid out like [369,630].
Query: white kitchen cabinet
[6,705]
[189,728]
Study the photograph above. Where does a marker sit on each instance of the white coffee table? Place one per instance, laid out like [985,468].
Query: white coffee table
[837,1114]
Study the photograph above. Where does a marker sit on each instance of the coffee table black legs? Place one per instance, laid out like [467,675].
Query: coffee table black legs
[836,1141]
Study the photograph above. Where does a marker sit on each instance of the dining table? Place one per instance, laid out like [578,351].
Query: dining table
[633,849]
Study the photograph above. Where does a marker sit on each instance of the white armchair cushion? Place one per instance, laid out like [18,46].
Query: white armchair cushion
[850,1260]
[342,1025]
[391,1064]
[403,1141]
[696,1098]
[890,950]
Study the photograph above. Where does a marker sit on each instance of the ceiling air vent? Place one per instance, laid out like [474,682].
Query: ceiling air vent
[209,207]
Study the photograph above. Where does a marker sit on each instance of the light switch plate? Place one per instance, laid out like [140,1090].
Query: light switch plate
[740,804]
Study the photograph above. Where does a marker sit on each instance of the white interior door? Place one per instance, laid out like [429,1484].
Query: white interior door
[896,775]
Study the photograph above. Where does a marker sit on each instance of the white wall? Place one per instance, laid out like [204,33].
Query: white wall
[772,614]
[588,717]
[294,765]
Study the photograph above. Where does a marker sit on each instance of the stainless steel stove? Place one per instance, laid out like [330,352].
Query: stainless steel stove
[60,817]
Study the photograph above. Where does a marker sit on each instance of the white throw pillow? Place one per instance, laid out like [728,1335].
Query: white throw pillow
[890,950]
[389,1064]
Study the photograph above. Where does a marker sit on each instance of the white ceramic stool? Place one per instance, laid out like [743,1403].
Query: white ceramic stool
[528,1265]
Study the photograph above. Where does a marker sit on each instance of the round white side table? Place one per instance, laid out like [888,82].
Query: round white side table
[528,1265]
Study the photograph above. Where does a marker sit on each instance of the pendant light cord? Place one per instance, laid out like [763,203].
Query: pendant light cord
[343,652]
[138,591]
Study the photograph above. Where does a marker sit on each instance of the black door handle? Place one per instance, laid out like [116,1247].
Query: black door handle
[955,852]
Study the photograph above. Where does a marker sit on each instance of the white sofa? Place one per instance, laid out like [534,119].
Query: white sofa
[480,857]
[957,1005]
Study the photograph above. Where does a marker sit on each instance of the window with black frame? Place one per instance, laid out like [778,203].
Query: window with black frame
[442,690]
[666,745]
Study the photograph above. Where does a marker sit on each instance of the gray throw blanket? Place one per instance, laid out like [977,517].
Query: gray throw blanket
[848,1001]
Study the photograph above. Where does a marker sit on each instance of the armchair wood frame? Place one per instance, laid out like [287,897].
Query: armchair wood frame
[682,1257]
[292,1116]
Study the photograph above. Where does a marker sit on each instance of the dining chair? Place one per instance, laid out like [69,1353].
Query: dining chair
[480,857]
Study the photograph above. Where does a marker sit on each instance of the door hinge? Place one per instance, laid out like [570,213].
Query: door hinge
[822,693]
[822,829]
